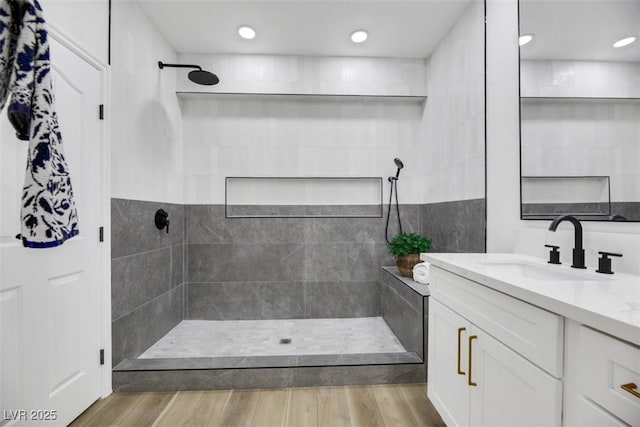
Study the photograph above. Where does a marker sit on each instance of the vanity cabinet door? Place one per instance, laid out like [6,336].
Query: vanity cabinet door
[602,379]
[509,390]
[447,376]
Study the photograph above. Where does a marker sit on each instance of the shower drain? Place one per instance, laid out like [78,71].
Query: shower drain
[285,340]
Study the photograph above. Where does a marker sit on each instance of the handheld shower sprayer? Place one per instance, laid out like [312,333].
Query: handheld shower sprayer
[399,165]
[394,185]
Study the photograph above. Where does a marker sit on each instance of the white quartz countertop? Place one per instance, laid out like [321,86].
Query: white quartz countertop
[609,303]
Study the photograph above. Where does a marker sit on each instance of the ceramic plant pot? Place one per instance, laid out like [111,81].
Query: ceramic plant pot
[406,263]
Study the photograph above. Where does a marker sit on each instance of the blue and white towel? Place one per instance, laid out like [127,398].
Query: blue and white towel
[49,215]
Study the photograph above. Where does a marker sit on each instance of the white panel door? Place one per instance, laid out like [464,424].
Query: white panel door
[447,386]
[509,390]
[50,298]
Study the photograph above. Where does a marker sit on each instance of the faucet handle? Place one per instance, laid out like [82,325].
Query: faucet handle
[161,219]
[604,263]
[554,255]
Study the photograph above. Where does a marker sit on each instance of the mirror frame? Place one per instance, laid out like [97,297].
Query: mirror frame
[582,218]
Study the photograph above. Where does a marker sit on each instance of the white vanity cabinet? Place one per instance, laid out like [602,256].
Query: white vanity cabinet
[493,360]
[600,378]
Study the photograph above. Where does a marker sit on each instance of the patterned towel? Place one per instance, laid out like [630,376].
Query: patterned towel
[48,214]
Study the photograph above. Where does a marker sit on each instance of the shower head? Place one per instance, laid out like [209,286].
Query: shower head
[202,77]
[198,75]
[399,165]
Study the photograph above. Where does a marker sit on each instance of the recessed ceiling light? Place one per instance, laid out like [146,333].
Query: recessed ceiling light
[359,36]
[625,41]
[246,32]
[524,39]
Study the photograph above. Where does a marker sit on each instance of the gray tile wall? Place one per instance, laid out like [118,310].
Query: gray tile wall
[457,226]
[270,268]
[147,275]
[217,268]
[402,311]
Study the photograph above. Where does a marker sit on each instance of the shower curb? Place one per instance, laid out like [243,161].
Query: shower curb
[252,378]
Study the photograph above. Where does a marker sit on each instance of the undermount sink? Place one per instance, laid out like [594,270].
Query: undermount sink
[536,272]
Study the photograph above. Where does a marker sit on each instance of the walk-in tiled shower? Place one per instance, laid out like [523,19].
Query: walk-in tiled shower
[219,293]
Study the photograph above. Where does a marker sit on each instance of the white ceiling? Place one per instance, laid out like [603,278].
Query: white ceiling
[580,29]
[402,29]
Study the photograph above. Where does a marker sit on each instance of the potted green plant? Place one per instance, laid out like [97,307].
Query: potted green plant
[406,248]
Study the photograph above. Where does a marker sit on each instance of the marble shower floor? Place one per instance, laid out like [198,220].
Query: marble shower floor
[244,338]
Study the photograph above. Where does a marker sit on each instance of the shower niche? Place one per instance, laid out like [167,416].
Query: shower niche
[303,197]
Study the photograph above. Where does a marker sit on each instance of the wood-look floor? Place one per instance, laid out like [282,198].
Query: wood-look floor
[367,406]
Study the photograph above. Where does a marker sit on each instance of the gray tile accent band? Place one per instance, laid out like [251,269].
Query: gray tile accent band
[457,226]
[206,224]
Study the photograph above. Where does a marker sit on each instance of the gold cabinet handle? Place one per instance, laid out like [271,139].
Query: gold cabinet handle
[471,338]
[460,330]
[631,388]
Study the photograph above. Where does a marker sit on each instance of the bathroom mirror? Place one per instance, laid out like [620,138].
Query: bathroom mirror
[580,109]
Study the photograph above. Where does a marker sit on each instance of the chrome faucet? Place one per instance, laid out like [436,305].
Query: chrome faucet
[578,251]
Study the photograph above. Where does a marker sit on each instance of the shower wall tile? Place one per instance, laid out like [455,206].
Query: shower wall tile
[402,310]
[391,277]
[342,299]
[146,118]
[147,270]
[178,254]
[133,333]
[457,226]
[245,300]
[310,74]
[207,224]
[137,279]
[223,301]
[343,261]
[282,300]
[453,121]
[252,268]
[133,229]
[361,230]
[237,262]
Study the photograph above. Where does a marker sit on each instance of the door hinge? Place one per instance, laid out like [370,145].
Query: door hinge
[101,234]
[101,111]
[102,356]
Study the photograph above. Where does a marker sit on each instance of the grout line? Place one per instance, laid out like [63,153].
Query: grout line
[143,305]
[143,252]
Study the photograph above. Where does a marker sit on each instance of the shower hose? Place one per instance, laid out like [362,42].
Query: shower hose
[394,185]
